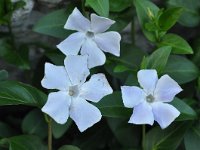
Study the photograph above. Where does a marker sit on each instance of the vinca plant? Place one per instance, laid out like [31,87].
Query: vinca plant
[100,75]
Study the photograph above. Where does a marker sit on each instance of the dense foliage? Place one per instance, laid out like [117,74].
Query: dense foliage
[161,35]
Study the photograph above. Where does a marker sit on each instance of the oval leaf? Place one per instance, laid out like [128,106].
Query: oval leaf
[178,44]
[15,93]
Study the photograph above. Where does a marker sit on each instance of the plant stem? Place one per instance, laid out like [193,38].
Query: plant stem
[143,136]
[49,134]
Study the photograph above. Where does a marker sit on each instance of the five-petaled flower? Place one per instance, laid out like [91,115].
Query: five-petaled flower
[149,103]
[73,91]
[91,38]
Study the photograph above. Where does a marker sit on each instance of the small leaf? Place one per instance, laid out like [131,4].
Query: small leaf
[3,75]
[6,130]
[142,7]
[181,69]
[59,130]
[112,106]
[101,7]
[34,123]
[169,17]
[158,59]
[24,142]
[121,68]
[53,24]
[178,44]
[69,147]
[15,93]
[187,113]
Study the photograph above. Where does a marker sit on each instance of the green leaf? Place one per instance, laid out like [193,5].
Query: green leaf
[142,7]
[121,68]
[101,7]
[178,44]
[187,113]
[158,59]
[59,130]
[6,130]
[69,147]
[169,17]
[53,23]
[181,69]
[12,56]
[15,93]
[121,129]
[3,75]
[24,142]
[190,16]
[168,139]
[112,106]
[34,123]
[119,5]
[192,138]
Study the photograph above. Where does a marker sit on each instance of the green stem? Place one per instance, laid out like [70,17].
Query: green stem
[143,136]
[50,135]
[49,122]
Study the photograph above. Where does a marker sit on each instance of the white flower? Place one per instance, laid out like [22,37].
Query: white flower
[91,38]
[150,102]
[73,91]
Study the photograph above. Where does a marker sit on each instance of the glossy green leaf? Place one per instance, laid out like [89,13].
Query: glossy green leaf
[69,147]
[178,44]
[3,75]
[190,16]
[168,139]
[169,17]
[181,69]
[192,138]
[158,59]
[59,130]
[101,7]
[112,106]
[15,93]
[34,123]
[53,23]
[24,142]
[142,7]
[187,113]
[119,5]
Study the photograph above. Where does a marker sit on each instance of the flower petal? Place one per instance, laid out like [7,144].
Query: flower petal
[76,21]
[148,79]
[55,77]
[109,42]
[77,69]
[72,44]
[132,96]
[96,88]
[166,89]
[100,24]
[84,114]
[57,106]
[95,56]
[164,113]
[142,114]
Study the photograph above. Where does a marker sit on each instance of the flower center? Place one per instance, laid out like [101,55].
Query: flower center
[73,91]
[150,98]
[90,34]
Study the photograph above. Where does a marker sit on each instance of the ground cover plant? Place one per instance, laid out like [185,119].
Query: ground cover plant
[99,75]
